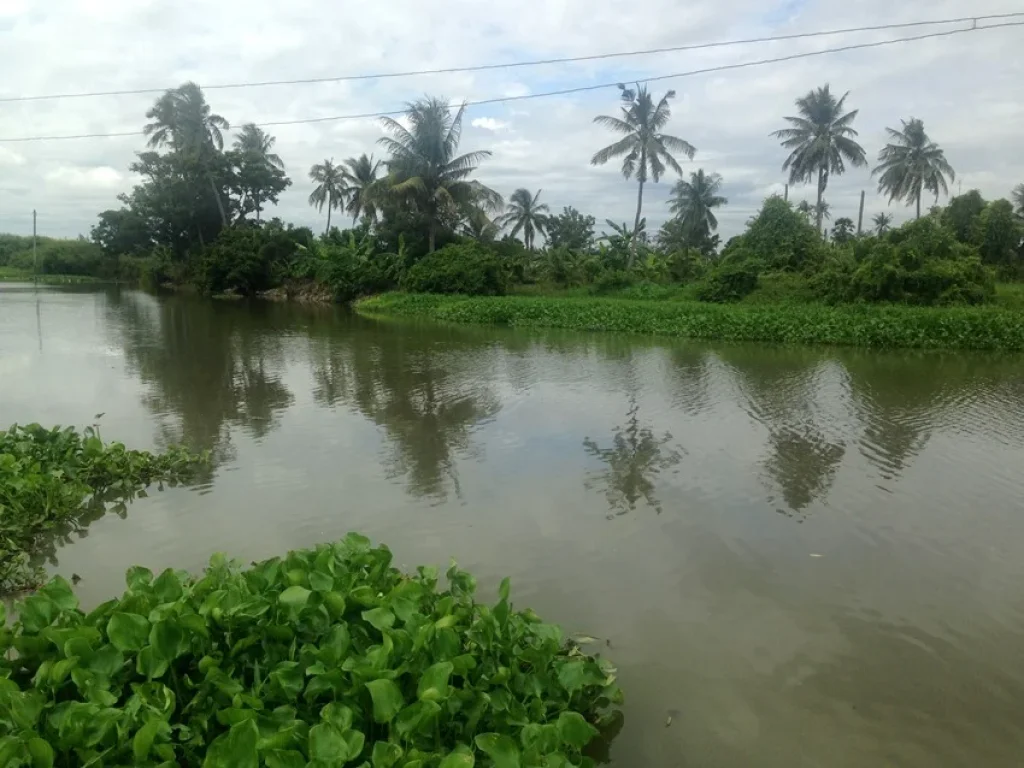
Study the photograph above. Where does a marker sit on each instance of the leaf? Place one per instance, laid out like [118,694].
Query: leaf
[460,757]
[385,754]
[142,743]
[500,748]
[574,730]
[236,748]
[284,758]
[387,700]
[150,664]
[328,744]
[41,753]
[434,683]
[337,715]
[167,587]
[577,673]
[295,598]
[379,618]
[167,639]
[128,631]
[416,717]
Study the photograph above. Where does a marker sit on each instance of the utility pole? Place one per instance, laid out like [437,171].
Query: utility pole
[35,257]
[860,215]
[785,195]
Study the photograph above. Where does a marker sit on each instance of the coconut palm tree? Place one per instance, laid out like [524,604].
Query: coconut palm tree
[254,145]
[911,163]
[182,120]
[823,211]
[644,149]
[361,185]
[525,214]
[425,170]
[479,226]
[693,202]
[805,208]
[820,140]
[882,222]
[330,188]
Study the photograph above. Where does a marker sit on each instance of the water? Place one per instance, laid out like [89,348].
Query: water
[804,557]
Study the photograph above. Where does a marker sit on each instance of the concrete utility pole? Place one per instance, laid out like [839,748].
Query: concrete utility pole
[785,195]
[35,257]
[860,215]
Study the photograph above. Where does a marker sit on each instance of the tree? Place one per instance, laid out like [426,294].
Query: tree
[525,214]
[882,222]
[911,163]
[805,208]
[1018,199]
[360,186]
[122,232]
[330,187]
[479,226]
[997,232]
[570,229]
[259,173]
[842,230]
[822,211]
[962,213]
[820,140]
[645,150]
[693,202]
[182,120]
[425,171]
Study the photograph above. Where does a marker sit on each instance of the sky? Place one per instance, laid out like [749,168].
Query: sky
[966,88]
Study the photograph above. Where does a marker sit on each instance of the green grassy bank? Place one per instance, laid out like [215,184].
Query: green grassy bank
[992,328]
[14,275]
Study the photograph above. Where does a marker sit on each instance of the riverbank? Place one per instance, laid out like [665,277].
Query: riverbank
[12,275]
[988,328]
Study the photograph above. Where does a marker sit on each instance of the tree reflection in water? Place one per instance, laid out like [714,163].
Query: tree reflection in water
[634,460]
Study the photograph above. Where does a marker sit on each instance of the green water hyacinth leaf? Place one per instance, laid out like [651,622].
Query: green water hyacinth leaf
[250,667]
[387,700]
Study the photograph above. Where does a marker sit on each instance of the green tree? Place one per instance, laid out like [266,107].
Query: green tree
[644,149]
[259,173]
[426,171]
[820,140]
[822,211]
[330,187]
[182,120]
[479,226]
[693,203]
[361,184]
[525,214]
[804,208]
[842,230]
[911,163]
[882,222]
[122,231]
[997,232]
[962,214]
[571,229]
[1018,199]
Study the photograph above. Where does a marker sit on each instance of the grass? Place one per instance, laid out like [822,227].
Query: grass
[992,328]
[14,275]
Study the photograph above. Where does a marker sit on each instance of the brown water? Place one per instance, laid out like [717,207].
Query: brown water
[804,557]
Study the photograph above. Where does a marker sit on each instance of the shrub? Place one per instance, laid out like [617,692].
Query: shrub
[64,257]
[612,280]
[467,268]
[780,238]
[245,260]
[686,266]
[325,657]
[729,282]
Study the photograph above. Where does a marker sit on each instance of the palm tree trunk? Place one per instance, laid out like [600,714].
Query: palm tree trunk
[919,203]
[431,236]
[220,203]
[639,206]
[256,199]
[330,204]
[821,193]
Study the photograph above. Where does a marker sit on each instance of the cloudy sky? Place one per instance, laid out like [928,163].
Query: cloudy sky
[967,89]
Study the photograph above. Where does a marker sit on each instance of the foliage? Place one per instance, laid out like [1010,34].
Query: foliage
[910,164]
[245,261]
[780,238]
[50,478]
[998,233]
[882,222]
[469,269]
[525,214]
[259,176]
[325,657]
[693,203]
[962,213]
[57,257]
[864,326]
[729,281]
[362,186]
[425,170]
[351,267]
[571,229]
[821,141]
[644,149]
[919,263]
[842,230]
[330,187]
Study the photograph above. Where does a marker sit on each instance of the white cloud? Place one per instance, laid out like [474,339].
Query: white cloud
[102,177]
[10,157]
[968,104]
[488,123]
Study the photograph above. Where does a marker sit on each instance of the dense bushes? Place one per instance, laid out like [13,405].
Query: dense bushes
[468,268]
[730,281]
[244,261]
[57,257]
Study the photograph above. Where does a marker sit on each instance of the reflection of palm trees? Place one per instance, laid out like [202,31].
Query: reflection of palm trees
[633,463]
[426,400]
[803,463]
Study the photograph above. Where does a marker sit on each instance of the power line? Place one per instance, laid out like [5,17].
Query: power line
[568,91]
[534,63]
